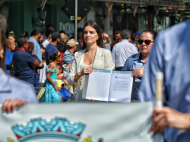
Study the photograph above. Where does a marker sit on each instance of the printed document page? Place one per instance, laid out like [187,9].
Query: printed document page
[121,86]
[98,85]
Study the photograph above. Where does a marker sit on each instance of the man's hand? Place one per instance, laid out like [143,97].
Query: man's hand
[138,72]
[10,104]
[167,117]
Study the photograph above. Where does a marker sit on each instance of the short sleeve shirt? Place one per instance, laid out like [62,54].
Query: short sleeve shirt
[68,57]
[37,48]
[22,62]
[49,51]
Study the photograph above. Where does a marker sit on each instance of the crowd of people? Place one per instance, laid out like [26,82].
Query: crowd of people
[34,65]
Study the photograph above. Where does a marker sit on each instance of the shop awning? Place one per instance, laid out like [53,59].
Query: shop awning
[164,3]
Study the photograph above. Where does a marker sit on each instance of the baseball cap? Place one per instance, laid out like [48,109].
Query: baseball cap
[56,35]
[72,43]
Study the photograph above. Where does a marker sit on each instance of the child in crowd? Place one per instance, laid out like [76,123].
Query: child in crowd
[59,75]
[66,94]
[52,94]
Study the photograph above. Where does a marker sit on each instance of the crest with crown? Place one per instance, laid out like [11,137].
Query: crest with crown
[58,128]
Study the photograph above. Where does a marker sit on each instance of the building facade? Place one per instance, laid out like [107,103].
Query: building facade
[111,15]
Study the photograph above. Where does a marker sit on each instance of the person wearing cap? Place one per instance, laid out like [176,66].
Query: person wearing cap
[51,48]
[68,58]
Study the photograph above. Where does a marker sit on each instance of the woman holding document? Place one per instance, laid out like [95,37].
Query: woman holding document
[137,62]
[93,56]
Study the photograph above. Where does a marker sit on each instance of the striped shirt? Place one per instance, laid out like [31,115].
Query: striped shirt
[68,57]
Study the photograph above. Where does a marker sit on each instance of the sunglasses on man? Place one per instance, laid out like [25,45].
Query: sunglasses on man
[147,41]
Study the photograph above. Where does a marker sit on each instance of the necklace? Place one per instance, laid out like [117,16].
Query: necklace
[91,58]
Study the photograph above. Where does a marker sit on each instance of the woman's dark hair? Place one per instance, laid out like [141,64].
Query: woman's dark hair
[152,32]
[61,47]
[54,56]
[98,30]
[24,34]
[30,47]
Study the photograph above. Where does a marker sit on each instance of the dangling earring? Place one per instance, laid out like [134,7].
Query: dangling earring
[2,56]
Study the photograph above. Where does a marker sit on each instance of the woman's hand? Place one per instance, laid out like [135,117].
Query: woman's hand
[56,88]
[139,72]
[167,117]
[86,70]
[10,104]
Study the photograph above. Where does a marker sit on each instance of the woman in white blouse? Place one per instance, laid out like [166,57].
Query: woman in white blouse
[93,56]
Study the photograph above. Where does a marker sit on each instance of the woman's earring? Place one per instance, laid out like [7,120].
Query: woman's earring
[2,56]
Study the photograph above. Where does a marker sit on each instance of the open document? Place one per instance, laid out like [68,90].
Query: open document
[107,85]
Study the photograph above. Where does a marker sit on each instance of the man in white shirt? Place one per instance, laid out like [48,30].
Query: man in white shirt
[48,39]
[122,50]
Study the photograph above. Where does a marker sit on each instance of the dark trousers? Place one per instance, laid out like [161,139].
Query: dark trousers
[37,85]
